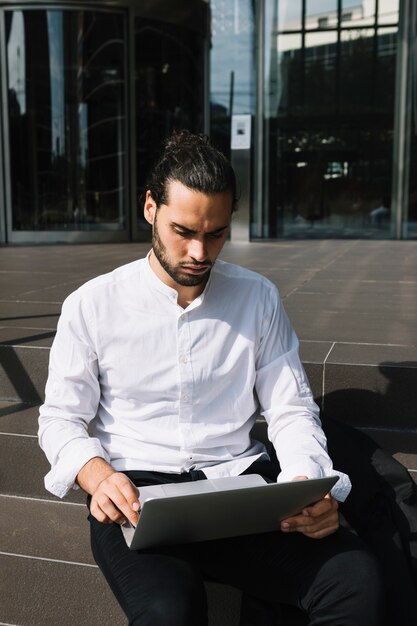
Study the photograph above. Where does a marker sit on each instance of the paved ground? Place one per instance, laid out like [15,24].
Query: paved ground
[354,307]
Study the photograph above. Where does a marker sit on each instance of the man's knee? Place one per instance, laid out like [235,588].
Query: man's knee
[350,589]
[360,575]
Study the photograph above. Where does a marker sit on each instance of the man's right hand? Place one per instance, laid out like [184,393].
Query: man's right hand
[114,497]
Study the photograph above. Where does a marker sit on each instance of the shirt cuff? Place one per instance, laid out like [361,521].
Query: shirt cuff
[61,478]
[340,490]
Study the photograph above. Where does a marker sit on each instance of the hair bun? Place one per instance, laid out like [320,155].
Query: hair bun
[184,138]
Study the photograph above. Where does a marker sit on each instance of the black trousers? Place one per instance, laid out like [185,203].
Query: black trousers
[334,580]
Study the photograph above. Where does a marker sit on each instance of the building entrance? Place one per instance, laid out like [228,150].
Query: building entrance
[88,95]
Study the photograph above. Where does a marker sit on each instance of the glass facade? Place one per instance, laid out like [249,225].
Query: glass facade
[89,91]
[66,119]
[329,118]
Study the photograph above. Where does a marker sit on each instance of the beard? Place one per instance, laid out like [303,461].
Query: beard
[174,271]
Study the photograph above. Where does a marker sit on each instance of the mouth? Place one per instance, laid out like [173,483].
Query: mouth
[195,269]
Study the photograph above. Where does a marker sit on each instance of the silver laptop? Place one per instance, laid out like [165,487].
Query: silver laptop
[221,507]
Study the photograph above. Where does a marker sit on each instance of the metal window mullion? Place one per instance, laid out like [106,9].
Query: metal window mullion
[130,128]
[6,214]
[401,122]
[259,125]
[206,71]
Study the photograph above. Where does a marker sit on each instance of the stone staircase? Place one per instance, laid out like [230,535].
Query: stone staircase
[360,355]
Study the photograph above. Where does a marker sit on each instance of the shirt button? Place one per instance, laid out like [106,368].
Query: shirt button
[184,358]
[185,397]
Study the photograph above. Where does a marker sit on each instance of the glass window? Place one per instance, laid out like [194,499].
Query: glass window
[388,11]
[358,65]
[329,124]
[169,85]
[232,71]
[288,77]
[289,15]
[320,72]
[354,13]
[66,119]
[321,14]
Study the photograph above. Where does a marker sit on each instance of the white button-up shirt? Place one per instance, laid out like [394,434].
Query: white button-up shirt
[147,385]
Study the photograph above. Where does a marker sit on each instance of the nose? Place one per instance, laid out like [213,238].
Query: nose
[198,250]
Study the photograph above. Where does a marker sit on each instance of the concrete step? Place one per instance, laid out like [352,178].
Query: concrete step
[23,467]
[45,549]
[23,373]
[37,592]
[42,528]
[370,386]
[23,464]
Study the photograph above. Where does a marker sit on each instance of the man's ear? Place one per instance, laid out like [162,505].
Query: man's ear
[149,209]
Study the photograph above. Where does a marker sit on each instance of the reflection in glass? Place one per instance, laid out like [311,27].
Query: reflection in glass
[329,118]
[388,11]
[288,79]
[320,72]
[66,119]
[169,91]
[355,13]
[358,65]
[232,71]
[321,14]
[289,14]
[16,61]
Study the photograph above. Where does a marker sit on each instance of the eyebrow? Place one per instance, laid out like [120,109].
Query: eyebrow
[193,232]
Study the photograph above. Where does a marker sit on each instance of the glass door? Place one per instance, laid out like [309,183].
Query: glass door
[66,125]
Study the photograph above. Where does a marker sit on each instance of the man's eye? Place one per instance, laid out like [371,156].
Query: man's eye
[182,233]
[215,235]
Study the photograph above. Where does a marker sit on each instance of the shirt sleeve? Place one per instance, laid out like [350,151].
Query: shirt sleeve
[287,403]
[71,399]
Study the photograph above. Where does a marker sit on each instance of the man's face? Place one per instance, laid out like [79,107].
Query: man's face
[188,233]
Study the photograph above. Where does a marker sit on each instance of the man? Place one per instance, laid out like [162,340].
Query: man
[170,359]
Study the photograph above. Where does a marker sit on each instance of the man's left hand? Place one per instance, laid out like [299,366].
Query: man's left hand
[316,521]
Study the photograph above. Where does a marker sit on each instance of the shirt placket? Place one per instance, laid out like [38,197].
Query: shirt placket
[186,389]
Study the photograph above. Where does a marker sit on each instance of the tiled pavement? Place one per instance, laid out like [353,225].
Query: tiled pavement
[354,307]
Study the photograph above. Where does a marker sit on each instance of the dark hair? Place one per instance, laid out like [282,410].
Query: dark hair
[191,160]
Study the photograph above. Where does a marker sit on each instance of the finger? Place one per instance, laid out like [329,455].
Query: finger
[310,520]
[307,518]
[131,504]
[320,534]
[123,506]
[131,494]
[301,523]
[325,527]
[99,510]
[319,525]
[321,507]
[122,495]
[110,506]
[315,532]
